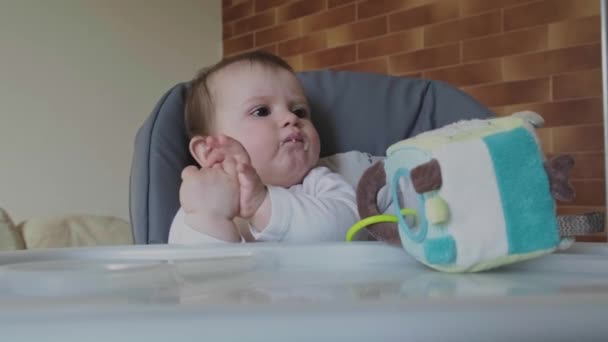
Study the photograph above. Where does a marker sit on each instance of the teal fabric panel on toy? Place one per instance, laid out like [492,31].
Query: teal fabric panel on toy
[523,185]
[440,251]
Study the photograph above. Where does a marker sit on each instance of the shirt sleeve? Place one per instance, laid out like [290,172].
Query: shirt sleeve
[322,208]
[181,233]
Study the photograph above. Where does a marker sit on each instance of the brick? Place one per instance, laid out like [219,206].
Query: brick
[507,93]
[597,237]
[391,44]
[455,30]
[332,18]
[262,5]
[506,44]
[411,75]
[588,166]
[237,11]
[288,30]
[575,32]
[425,59]
[423,15]
[589,192]
[239,44]
[312,42]
[227,31]
[352,32]
[299,9]
[545,135]
[372,8]
[336,3]
[295,62]
[468,7]
[552,62]
[499,111]
[548,11]
[565,112]
[578,84]
[575,210]
[578,139]
[335,56]
[254,23]
[272,48]
[378,66]
[488,71]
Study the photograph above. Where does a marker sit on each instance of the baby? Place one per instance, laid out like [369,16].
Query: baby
[251,132]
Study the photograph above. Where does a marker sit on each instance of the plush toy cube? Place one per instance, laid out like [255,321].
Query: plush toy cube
[483,193]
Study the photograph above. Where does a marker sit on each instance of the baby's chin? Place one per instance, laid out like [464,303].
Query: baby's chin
[289,177]
[285,182]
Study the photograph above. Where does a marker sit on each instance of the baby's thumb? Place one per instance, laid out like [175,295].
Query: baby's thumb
[247,174]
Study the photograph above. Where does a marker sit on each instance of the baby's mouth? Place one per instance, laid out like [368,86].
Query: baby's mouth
[295,139]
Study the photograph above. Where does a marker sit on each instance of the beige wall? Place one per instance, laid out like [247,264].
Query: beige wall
[77,79]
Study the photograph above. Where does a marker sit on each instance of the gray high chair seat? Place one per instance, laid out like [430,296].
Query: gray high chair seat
[351,111]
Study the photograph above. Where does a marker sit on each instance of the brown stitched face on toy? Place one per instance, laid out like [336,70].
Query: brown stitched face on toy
[425,177]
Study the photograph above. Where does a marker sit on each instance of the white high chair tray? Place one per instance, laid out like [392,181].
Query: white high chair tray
[278,292]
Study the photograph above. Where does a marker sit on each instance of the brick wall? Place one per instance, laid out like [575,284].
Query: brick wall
[542,55]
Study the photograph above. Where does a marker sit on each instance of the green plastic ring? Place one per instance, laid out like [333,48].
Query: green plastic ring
[375,219]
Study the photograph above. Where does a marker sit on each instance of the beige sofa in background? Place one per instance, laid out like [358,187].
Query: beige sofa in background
[64,231]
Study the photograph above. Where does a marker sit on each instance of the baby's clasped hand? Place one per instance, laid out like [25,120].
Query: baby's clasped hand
[252,191]
[217,148]
[223,156]
[210,198]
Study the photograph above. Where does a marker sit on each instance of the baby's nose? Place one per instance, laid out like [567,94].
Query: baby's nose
[288,118]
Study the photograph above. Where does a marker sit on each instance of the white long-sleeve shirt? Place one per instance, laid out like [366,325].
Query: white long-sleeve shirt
[321,208]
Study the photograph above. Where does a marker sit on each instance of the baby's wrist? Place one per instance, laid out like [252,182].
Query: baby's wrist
[261,216]
[217,226]
[260,199]
[252,202]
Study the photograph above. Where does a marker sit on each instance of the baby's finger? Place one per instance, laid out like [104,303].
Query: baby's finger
[221,139]
[206,149]
[229,166]
[216,156]
[189,171]
[247,173]
[212,141]
[242,157]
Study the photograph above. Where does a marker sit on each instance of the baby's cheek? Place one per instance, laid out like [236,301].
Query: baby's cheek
[258,150]
[315,142]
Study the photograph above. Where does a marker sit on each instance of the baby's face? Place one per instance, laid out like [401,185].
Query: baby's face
[266,110]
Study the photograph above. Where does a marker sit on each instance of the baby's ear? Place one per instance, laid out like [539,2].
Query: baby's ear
[198,148]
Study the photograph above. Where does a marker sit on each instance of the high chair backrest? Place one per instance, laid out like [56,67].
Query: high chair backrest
[351,111]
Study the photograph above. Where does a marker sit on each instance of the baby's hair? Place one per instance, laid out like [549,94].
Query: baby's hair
[199,104]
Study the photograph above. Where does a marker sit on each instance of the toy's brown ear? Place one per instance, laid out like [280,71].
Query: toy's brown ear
[373,179]
[558,171]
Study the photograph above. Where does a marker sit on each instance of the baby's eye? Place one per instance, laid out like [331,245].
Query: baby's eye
[300,112]
[262,111]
